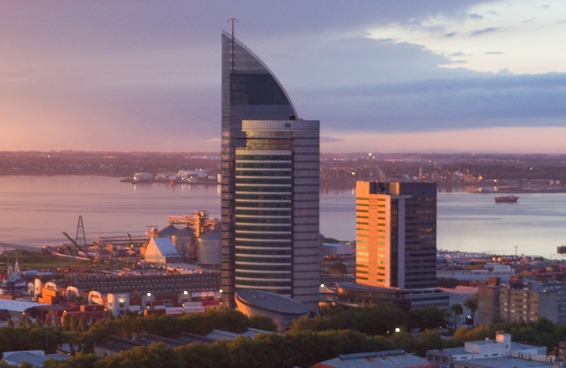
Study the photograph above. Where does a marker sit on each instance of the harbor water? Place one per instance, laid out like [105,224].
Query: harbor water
[36,210]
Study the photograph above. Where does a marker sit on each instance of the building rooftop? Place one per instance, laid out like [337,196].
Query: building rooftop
[271,302]
[189,338]
[381,359]
[165,246]
[117,344]
[507,362]
[34,357]
[17,305]
[193,282]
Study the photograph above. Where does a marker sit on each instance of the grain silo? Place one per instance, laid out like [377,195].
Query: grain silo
[184,239]
[210,249]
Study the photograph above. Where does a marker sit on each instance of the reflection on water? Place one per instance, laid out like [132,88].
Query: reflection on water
[36,210]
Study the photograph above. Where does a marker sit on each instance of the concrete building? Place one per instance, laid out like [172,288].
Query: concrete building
[337,251]
[459,295]
[501,352]
[521,301]
[270,184]
[396,234]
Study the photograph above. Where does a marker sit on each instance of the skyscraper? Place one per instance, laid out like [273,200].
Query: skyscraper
[270,184]
[396,234]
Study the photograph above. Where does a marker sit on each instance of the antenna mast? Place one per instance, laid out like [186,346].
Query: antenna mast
[233,21]
[80,232]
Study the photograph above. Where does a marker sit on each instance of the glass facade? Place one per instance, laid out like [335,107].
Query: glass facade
[396,234]
[266,244]
[262,247]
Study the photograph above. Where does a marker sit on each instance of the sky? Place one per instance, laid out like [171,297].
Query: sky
[381,76]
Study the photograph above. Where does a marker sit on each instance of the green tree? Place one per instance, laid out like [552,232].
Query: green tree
[338,269]
[83,325]
[406,341]
[154,356]
[74,323]
[262,323]
[66,323]
[426,318]
[456,310]
[429,340]
[472,304]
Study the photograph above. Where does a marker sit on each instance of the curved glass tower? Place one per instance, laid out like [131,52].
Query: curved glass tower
[270,161]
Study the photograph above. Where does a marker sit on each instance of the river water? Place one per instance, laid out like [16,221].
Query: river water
[36,210]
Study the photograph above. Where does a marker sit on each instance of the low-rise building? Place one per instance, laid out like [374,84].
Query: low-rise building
[337,251]
[521,301]
[350,294]
[381,359]
[501,352]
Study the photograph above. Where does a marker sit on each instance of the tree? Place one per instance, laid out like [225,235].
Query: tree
[406,341]
[74,323]
[426,318]
[428,340]
[66,323]
[83,325]
[376,319]
[472,304]
[262,323]
[154,355]
[338,269]
[456,310]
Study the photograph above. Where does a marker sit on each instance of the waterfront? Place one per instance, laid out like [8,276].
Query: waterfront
[36,210]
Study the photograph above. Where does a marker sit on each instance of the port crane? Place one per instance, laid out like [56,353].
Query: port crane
[85,251]
[199,222]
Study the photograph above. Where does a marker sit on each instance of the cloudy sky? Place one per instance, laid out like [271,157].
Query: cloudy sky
[381,76]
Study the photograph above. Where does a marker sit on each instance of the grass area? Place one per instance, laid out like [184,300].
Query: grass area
[38,261]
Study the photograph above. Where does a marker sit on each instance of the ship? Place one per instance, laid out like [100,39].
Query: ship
[508,199]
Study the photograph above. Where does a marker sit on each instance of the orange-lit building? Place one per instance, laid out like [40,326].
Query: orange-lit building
[396,234]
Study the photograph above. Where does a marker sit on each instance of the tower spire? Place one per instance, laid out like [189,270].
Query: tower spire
[233,21]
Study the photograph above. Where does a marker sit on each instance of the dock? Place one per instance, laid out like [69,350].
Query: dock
[29,248]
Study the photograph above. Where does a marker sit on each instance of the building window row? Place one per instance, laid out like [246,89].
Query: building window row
[263,165]
[255,158]
[264,212]
[266,197]
[242,189]
[241,235]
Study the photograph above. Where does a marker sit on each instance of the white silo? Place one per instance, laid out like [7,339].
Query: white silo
[210,249]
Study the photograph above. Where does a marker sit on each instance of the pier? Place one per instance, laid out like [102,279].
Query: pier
[19,247]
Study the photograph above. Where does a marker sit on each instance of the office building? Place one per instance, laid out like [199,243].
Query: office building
[270,184]
[396,234]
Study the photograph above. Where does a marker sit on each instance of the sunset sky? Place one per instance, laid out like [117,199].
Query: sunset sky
[381,76]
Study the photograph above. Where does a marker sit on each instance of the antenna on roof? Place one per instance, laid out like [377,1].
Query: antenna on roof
[233,20]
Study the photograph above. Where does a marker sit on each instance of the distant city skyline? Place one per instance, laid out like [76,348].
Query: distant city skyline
[381,76]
